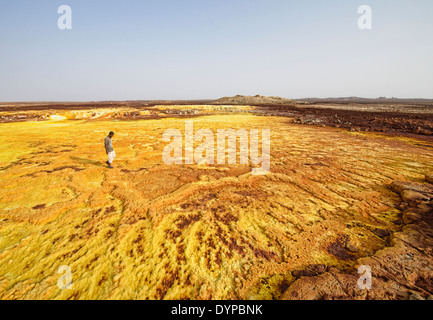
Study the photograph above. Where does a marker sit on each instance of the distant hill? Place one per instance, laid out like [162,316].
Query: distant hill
[381,100]
[252,100]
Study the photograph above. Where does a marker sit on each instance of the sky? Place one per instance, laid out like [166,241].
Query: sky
[207,49]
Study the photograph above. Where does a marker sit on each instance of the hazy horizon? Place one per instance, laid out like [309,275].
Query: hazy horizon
[210,99]
[191,50]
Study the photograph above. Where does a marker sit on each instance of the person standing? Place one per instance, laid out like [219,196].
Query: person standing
[109,149]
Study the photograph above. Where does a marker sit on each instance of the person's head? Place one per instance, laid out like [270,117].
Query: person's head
[111,134]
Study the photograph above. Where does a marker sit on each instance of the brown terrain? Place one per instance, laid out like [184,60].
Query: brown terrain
[400,116]
[350,184]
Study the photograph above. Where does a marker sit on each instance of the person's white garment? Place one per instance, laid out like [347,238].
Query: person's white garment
[111,156]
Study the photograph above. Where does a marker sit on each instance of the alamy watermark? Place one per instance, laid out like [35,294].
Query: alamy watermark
[365,21]
[205,152]
[364,281]
[65,20]
[65,281]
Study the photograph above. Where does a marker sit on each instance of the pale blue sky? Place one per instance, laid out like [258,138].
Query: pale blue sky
[191,49]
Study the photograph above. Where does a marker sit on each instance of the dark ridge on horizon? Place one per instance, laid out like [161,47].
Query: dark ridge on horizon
[337,100]
[367,100]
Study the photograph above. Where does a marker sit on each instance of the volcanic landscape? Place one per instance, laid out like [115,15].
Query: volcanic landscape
[349,185]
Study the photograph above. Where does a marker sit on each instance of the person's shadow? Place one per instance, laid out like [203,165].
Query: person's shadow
[88,161]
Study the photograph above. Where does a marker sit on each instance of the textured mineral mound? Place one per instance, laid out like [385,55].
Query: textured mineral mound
[402,270]
[252,100]
[149,230]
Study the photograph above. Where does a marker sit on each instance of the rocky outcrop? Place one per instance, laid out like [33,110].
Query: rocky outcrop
[402,270]
[252,100]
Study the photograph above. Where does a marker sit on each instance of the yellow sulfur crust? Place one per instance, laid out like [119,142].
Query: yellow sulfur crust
[147,230]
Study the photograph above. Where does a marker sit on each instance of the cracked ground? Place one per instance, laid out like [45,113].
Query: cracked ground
[147,230]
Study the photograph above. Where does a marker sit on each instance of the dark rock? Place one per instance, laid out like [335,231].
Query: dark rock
[381,233]
[413,197]
[410,217]
[352,248]
[303,273]
[318,268]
